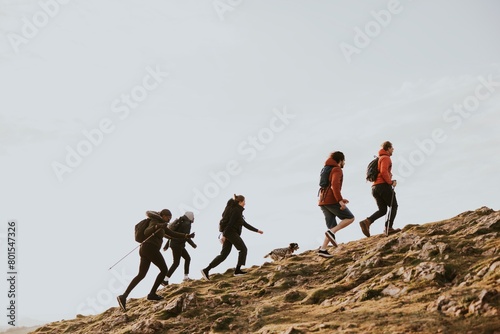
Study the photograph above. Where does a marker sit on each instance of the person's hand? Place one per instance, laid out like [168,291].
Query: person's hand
[343,203]
[260,232]
[222,239]
[394,183]
[165,248]
[190,236]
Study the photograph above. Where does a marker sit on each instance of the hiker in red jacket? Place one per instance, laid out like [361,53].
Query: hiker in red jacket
[383,192]
[333,204]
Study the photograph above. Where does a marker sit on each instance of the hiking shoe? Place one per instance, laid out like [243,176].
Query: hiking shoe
[164,283]
[331,236]
[324,253]
[122,301]
[239,272]
[204,273]
[365,227]
[392,231]
[154,296]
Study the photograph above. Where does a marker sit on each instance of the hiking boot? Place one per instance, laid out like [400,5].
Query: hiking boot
[154,296]
[239,272]
[204,273]
[122,301]
[365,227]
[391,230]
[331,236]
[324,253]
[164,283]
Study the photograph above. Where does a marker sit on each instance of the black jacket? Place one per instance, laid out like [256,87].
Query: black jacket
[185,228]
[237,221]
[158,227]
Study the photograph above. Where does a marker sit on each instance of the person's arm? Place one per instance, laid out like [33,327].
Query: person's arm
[191,242]
[250,227]
[175,235]
[152,228]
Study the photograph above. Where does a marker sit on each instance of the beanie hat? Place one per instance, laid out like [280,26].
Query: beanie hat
[189,215]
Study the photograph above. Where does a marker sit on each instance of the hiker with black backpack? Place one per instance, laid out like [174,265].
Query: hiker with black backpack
[331,201]
[149,251]
[231,227]
[178,246]
[383,192]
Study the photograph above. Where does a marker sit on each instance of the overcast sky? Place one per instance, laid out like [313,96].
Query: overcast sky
[112,108]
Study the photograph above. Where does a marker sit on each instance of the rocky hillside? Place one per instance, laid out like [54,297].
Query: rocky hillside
[441,277]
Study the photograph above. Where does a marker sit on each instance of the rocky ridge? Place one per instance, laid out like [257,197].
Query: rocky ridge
[440,277]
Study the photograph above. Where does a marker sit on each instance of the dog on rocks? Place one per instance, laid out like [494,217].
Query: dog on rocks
[281,253]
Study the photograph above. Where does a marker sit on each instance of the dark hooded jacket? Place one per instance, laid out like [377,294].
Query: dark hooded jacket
[183,227]
[158,227]
[234,213]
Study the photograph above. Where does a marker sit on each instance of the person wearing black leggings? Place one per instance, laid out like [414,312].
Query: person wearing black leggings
[178,246]
[231,235]
[150,253]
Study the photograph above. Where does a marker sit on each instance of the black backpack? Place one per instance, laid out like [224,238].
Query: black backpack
[226,214]
[372,170]
[140,227]
[324,177]
[175,224]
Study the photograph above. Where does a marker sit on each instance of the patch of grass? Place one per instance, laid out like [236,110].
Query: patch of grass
[320,295]
[294,296]
[370,294]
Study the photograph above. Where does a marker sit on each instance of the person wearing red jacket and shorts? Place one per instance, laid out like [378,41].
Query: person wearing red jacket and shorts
[333,204]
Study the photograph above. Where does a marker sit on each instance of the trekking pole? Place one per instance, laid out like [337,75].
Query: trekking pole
[389,214]
[131,251]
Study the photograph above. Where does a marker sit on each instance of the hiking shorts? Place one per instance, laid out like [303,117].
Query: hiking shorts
[333,211]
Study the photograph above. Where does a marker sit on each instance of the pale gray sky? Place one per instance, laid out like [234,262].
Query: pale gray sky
[197,100]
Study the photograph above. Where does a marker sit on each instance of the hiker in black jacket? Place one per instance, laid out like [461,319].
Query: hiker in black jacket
[231,235]
[178,246]
[150,252]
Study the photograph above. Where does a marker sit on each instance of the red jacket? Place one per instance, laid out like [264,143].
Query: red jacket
[384,168]
[332,194]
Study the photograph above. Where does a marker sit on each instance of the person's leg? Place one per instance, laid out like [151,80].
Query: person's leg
[347,219]
[187,261]
[393,203]
[143,270]
[329,216]
[379,195]
[176,255]
[331,222]
[226,249]
[158,261]
[239,244]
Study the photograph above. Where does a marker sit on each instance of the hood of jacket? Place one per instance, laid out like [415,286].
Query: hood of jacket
[382,152]
[331,162]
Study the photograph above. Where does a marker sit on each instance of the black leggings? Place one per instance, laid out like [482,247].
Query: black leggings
[177,253]
[149,253]
[384,195]
[232,238]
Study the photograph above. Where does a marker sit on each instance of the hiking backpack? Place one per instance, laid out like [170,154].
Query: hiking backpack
[372,170]
[324,177]
[175,224]
[140,227]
